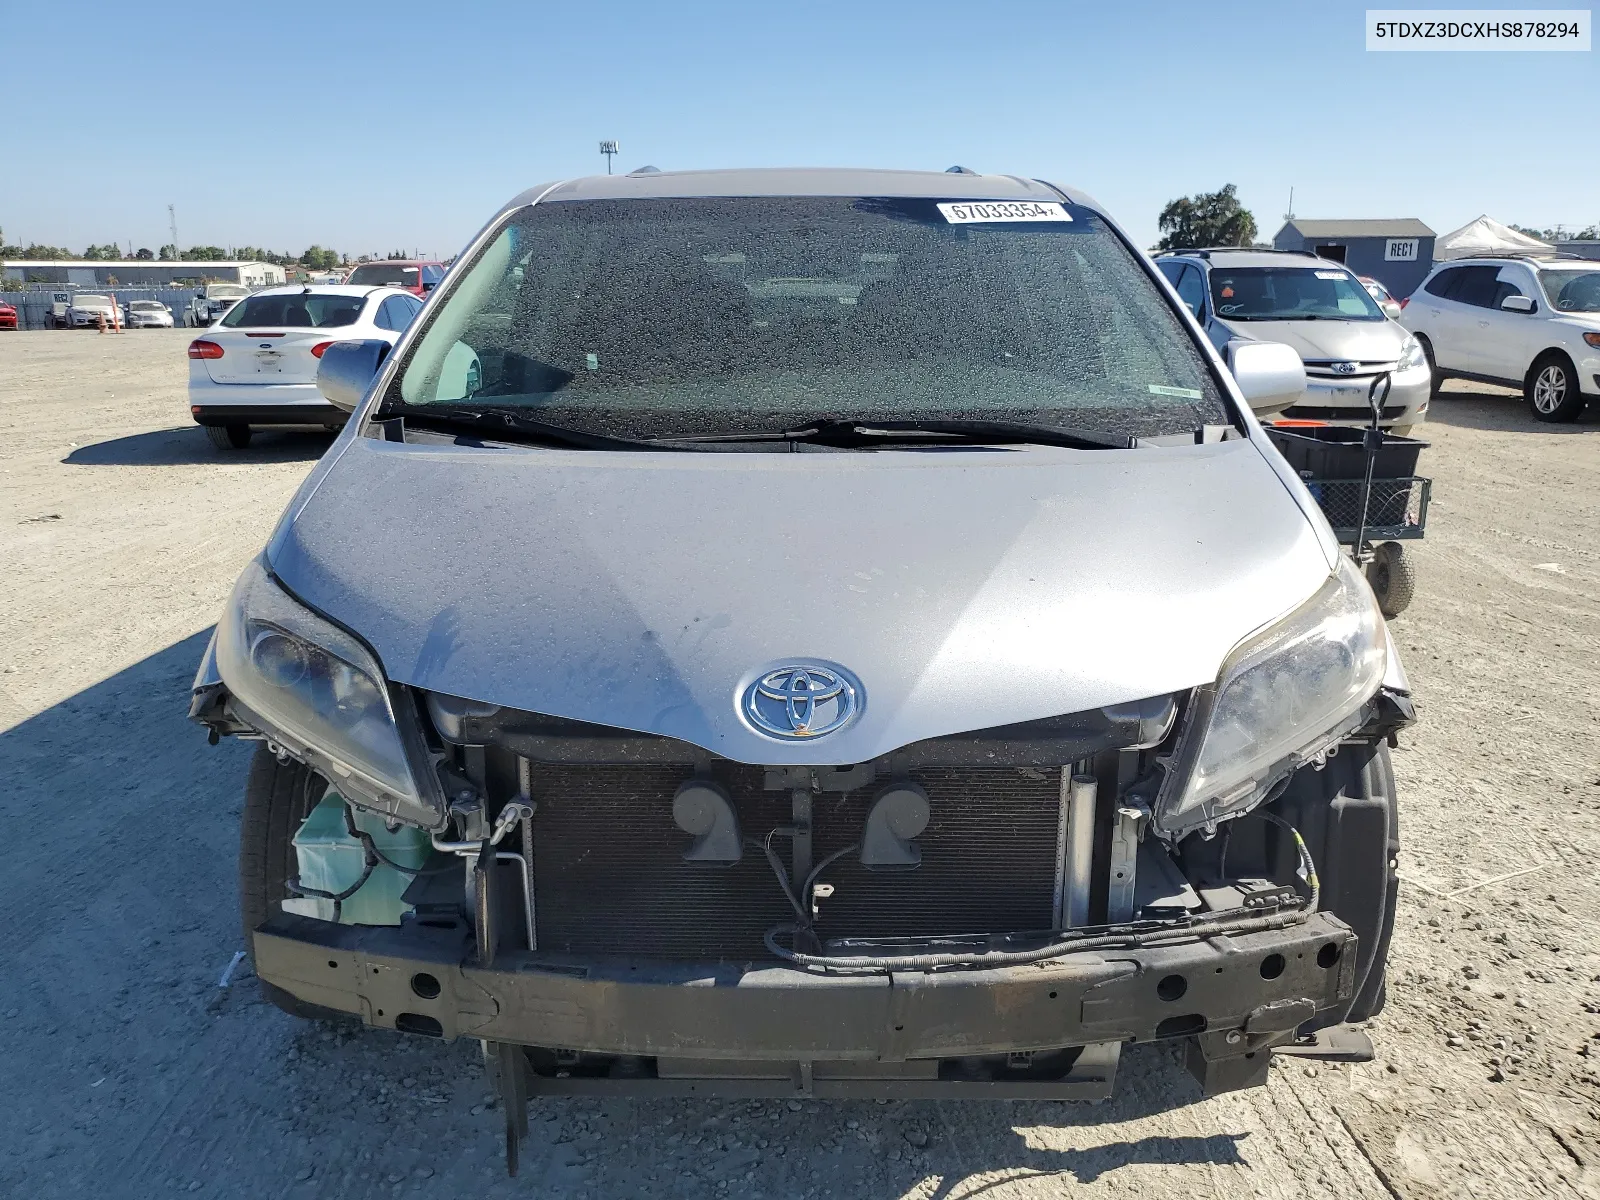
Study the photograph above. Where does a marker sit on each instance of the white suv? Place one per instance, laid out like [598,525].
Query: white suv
[1532,323]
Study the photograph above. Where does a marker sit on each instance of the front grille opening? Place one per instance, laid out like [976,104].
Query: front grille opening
[611,879]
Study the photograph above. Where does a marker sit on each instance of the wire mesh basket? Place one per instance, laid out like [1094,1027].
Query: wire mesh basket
[1398,507]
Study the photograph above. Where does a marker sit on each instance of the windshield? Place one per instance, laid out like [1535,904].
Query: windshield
[1573,291]
[86,299]
[1290,294]
[146,305]
[376,273]
[296,310]
[226,291]
[680,317]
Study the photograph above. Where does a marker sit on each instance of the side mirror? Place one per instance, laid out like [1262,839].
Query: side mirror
[1269,374]
[1517,304]
[347,369]
[1391,309]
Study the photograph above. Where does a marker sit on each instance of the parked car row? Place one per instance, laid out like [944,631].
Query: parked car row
[1518,321]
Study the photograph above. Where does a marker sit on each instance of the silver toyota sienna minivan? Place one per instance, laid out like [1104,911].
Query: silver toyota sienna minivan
[813,632]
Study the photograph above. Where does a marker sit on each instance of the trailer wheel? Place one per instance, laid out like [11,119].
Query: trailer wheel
[277,799]
[1392,579]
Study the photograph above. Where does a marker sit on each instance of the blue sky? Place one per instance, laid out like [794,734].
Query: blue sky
[369,126]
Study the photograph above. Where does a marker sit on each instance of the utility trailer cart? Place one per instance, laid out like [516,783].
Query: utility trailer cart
[1366,483]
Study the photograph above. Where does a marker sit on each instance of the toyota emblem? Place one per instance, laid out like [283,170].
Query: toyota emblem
[800,701]
[1344,368]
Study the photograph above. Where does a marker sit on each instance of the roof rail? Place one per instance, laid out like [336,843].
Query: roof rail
[1208,251]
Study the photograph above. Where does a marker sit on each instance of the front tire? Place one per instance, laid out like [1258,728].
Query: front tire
[1551,388]
[1435,380]
[228,437]
[278,797]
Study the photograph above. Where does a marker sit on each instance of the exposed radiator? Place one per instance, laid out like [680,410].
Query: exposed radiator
[610,877]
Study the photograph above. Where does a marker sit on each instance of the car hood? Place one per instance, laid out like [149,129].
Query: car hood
[1355,341]
[964,588]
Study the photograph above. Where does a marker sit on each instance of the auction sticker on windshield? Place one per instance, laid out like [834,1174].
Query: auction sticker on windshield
[968,212]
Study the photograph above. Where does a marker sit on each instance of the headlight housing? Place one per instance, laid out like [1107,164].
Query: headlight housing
[319,692]
[1284,696]
[1411,354]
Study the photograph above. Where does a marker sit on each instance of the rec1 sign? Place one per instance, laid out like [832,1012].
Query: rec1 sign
[1400,250]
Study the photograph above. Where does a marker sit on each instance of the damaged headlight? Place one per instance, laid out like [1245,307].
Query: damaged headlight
[317,690]
[1284,695]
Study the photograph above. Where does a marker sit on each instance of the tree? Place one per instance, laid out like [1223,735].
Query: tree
[318,259]
[1207,219]
[204,254]
[106,253]
[143,254]
[168,253]
[1561,234]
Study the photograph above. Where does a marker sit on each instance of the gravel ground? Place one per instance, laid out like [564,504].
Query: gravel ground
[128,1072]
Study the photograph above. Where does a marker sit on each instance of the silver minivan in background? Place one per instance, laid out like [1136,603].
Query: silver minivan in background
[838,633]
[1325,312]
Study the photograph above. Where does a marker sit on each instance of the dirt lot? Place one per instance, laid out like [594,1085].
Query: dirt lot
[127,1072]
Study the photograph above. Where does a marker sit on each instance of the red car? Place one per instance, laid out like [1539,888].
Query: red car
[418,278]
[8,317]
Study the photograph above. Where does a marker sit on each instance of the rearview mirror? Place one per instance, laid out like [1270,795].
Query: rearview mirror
[1270,375]
[1517,304]
[347,370]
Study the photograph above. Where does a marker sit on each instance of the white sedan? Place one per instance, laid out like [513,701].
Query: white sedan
[258,365]
[149,314]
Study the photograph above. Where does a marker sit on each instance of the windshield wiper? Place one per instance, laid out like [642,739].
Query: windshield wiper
[497,422]
[1276,317]
[849,432]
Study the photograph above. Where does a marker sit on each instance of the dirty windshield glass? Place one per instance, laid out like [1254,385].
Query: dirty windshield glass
[1290,294]
[1574,291]
[295,311]
[679,317]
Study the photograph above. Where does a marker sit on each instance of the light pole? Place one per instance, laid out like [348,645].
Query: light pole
[609,149]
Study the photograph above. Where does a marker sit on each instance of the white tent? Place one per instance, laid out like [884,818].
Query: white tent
[1487,236]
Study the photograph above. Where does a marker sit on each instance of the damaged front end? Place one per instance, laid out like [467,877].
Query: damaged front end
[993,912]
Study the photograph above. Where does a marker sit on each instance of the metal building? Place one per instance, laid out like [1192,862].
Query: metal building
[1398,253]
[137,272]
